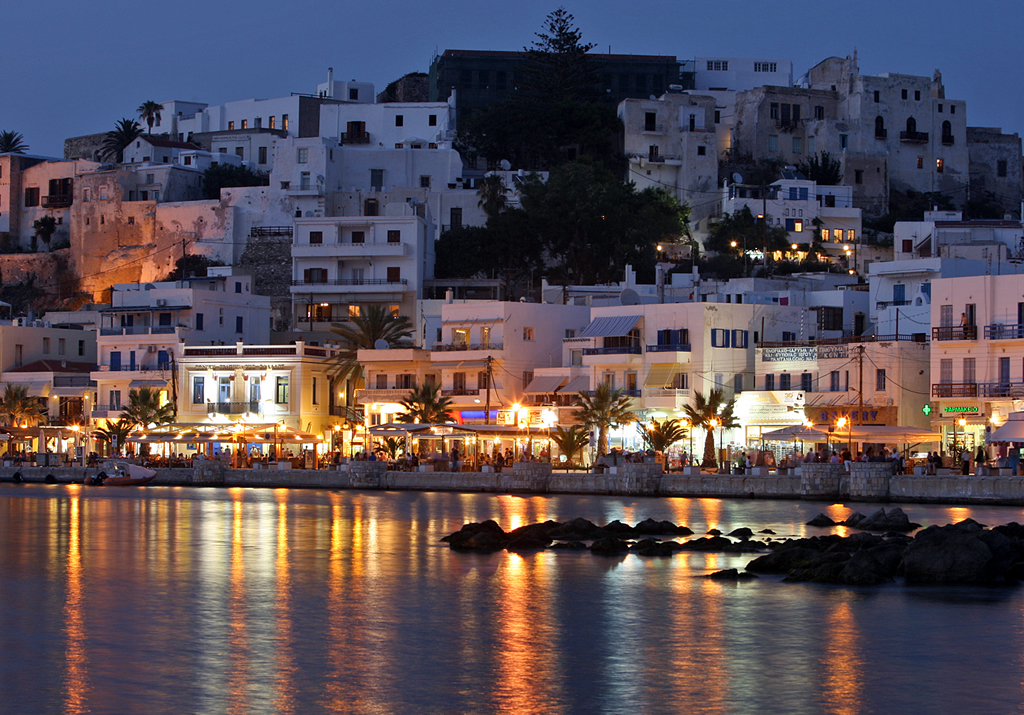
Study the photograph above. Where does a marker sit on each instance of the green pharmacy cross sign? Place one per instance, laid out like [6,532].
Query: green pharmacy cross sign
[927,409]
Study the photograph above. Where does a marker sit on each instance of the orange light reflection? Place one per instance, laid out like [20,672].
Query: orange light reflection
[75,672]
[238,641]
[284,686]
[842,662]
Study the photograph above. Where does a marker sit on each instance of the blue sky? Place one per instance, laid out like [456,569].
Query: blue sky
[76,67]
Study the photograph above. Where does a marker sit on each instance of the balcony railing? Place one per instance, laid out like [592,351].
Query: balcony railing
[458,347]
[349,413]
[881,133]
[142,367]
[847,340]
[459,392]
[617,350]
[1001,389]
[101,411]
[57,201]
[955,389]
[947,140]
[260,231]
[669,348]
[352,282]
[914,137]
[355,137]
[1004,332]
[140,329]
[232,408]
[960,332]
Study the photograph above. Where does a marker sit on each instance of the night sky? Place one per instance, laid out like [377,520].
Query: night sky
[71,68]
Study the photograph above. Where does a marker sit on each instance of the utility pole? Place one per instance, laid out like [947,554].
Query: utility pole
[764,225]
[860,385]
[487,406]
[184,257]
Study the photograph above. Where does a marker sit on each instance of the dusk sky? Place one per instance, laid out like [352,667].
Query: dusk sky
[72,68]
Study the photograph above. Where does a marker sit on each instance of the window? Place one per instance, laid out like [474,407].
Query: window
[358,237]
[904,94]
[432,120]
[455,217]
[115,399]
[382,381]
[920,162]
[238,324]
[231,126]
[131,220]
[304,182]
[281,395]
[650,121]
[314,275]
[970,370]
[238,289]
[739,339]
[316,236]
[939,165]
[720,338]
[424,182]
[220,317]
[952,109]
[188,161]
[1001,168]
[844,141]
[807,382]
[458,382]
[718,65]
[785,381]
[773,110]
[262,155]
[917,95]
[788,336]
[481,380]
[877,97]
[32,196]
[718,116]
[858,176]
[370,207]
[61,346]
[880,380]
[284,122]
[394,274]
[198,390]
[303,156]
[773,142]
[394,236]
[376,179]
[527,333]
[833,382]
[764,66]
[830,318]
[46,346]
[199,321]
[819,112]
[702,151]
[399,120]
[81,348]
[798,145]
[946,370]
[273,122]
[769,382]
[353,312]
[85,195]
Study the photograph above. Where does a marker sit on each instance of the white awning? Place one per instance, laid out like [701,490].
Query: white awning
[544,385]
[615,326]
[577,384]
[35,388]
[158,384]
[661,374]
[71,391]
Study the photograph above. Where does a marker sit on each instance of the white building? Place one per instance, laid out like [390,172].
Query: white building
[945,234]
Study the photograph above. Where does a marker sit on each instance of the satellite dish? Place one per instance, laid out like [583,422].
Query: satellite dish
[737,177]
[380,344]
[628,296]
[505,165]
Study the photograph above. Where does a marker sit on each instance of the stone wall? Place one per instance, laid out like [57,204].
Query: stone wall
[870,480]
[823,480]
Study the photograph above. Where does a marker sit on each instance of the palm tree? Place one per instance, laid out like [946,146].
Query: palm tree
[391,447]
[17,408]
[607,407]
[492,194]
[12,143]
[570,441]
[124,133]
[44,229]
[144,408]
[374,323]
[115,432]
[426,405]
[659,436]
[711,412]
[149,112]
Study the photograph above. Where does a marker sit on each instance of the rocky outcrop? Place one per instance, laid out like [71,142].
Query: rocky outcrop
[821,520]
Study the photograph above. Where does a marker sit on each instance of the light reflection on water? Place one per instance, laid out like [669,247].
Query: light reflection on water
[250,601]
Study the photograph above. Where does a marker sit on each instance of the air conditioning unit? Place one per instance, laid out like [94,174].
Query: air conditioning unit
[151,348]
[161,302]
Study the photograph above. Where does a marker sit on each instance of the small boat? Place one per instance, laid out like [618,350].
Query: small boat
[123,475]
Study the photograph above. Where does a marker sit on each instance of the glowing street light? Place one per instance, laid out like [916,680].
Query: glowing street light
[848,423]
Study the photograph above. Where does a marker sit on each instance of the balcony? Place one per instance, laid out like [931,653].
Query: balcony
[349,250]
[615,350]
[881,134]
[460,392]
[390,394]
[1004,332]
[960,332]
[355,137]
[232,408]
[914,137]
[459,347]
[106,411]
[947,140]
[58,201]
[140,329]
[1013,390]
[356,282]
[263,231]
[955,389]
[158,367]
[669,348]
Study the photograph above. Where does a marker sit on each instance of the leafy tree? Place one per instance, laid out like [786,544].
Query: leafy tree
[374,322]
[43,229]
[12,142]
[556,62]
[492,194]
[823,169]
[18,408]
[606,408]
[659,436]
[744,228]
[391,447]
[224,176]
[426,405]
[195,265]
[149,112]
[570,441]
[707,410]
[120,430]
[124,133]
[145,409]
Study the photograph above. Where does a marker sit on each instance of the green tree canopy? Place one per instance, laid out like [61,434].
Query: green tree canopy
[823,169]
[606,408]
[570,441]
[195,265]
[746,229]
[119,430]
[711,411]
[374,322]
[224,176]
[43,228]
[117,140]
[146,410]
[659,436]
[12,142]
[426,405]
[18,408]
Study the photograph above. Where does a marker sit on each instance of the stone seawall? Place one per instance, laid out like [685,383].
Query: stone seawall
[864,482]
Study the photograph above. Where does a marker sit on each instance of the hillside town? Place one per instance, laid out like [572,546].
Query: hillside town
[743,250]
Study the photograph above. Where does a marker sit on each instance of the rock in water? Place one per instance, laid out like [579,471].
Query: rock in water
[945,554]
[853,519]
[609,546]
[731,575]
[895,520]
[741,533]
[821,520]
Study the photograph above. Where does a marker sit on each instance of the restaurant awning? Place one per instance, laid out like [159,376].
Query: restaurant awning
[610,327]
[136,384]
[1011,431]
[577,384]
[35,388]
[544,384]
[661,374]
[71,391]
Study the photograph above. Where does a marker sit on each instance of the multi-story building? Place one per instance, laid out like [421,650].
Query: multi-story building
[32,187]
[945,234]
[996,174]
[144,327]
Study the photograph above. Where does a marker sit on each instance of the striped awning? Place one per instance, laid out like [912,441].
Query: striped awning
[610,327]
[544,384]
[661,374]
[577,384]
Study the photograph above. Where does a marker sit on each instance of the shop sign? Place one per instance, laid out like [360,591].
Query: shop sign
[959,409]
[804,354]
[833,352]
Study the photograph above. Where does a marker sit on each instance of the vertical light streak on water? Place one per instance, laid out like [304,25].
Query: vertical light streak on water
[621,626]
[238,640]
[712,512]
[284,666]
[838,512]
[842,662]
[529,670]
[76,684]
[680,511]
[212,570]
[334,699]
[958,513]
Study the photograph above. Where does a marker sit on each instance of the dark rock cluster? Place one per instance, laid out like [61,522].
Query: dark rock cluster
[880,520]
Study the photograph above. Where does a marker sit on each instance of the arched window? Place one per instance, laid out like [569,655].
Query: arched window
[879,128]
[947,133]
[911,125]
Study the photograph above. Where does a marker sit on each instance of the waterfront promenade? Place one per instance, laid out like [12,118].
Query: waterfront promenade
[863,482]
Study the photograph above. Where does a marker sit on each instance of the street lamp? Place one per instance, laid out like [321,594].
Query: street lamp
[848,423]
[713,425]
[963,428]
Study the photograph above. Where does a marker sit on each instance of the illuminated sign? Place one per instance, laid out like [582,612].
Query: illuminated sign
[948,409]
[789,354]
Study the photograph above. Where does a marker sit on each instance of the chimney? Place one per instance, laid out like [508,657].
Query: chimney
[330,82]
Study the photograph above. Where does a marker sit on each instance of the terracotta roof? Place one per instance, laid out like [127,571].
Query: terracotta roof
[168,144]
[54,366]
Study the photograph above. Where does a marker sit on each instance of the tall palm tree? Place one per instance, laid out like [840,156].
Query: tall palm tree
[373,323]
[12,143]
[149,112]
[145,410]
[115,431]
[44,229]
[18,408]
[707,411]
[426,405]
[117,140]
[492,194]
[659,436]
[570,441]
[606,408]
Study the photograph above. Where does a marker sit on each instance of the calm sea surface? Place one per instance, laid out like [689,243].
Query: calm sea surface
[176,600]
